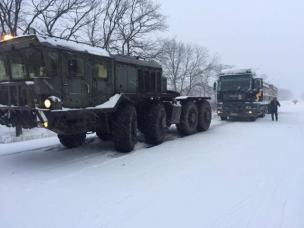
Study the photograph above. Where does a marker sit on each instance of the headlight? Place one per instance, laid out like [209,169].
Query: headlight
[250,112]
[47,104]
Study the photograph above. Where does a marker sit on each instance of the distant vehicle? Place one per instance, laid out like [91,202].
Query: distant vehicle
[74,89]
[240,95]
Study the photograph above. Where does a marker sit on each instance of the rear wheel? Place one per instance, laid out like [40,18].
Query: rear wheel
[204,116]
[155,124]
[125,128]
[189,119]
[72,141]
[223,118]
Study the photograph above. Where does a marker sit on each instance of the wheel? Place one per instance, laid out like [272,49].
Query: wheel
[72,141]
[104,136]
[204,116]
[253,119]
[125,128]
[141,113]
[262,115]
[155,124]
[189,119]
[223,118]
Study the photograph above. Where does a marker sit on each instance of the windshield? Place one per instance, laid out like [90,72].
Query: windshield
[3,75]
[17,66]
[234,83]
[35,62]
[23,64]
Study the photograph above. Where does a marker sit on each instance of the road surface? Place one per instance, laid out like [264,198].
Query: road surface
[238,174]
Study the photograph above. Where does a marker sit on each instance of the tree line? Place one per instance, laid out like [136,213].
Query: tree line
[127,27]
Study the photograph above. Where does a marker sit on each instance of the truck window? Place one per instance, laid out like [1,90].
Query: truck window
[35,62]
[159,83]
[75,67]
[2,70]
[102,71]
[147,81]
[141,81]
[53,63]
[153,81]
[17,67]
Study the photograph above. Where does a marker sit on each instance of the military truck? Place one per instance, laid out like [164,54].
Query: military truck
[74,89]
[241,95]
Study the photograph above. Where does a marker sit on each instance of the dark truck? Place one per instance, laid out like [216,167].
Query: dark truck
[240,95]
[74,89]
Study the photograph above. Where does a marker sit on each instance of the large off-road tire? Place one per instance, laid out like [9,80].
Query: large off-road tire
[252,119]
[125,128]
[141,117]
[223,118]
[189,119]
[104,136]
[155,124]
[72,141]
[204,116]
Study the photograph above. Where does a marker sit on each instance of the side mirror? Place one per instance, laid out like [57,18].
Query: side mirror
[214,86]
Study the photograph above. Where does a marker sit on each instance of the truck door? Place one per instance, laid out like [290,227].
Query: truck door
[258,85]
[76,83]
[102,80]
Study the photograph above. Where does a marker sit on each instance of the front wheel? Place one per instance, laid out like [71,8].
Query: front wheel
[72,141]
[104,136]
[125,128]
[223,118]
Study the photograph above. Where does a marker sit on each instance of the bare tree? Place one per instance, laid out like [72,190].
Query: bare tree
[143,17]
[61,18]
[10,16]
[102,30]
[126,26]
[187,67]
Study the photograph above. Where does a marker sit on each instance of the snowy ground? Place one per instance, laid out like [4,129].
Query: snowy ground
[238,174]
[8,135]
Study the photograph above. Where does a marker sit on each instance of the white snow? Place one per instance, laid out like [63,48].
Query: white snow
[111,103]
[8,135]
[54,99]
[237,174]
[29,82]
[236,71]
[56,42]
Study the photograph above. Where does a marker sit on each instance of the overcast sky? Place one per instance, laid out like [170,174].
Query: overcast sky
[264,34]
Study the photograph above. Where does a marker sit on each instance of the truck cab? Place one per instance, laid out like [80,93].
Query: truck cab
[74,89]
[240,95]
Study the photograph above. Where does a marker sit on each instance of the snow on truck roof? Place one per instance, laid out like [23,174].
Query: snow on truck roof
[62,43]
[236,72]
[81,47]
[73,45]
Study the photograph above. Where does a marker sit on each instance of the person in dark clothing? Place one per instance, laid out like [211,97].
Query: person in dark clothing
[273,108]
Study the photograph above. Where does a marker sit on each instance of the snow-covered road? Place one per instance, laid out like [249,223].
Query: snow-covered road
[238,174]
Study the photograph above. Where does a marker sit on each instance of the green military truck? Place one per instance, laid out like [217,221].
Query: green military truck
[74,89]
[241,95]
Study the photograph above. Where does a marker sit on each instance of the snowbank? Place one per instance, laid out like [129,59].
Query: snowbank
[8,135]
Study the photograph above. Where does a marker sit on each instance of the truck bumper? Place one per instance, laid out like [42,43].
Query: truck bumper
[245,114]
[21,116]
